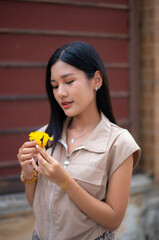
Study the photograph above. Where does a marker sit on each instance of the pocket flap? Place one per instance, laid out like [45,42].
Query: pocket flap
[87,173]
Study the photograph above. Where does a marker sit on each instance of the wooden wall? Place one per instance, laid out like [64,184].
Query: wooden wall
[29,33]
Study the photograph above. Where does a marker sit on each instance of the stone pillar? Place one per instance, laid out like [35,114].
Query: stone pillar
[150,86]
[156,89]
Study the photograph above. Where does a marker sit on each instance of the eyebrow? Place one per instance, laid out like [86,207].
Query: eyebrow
[64,76]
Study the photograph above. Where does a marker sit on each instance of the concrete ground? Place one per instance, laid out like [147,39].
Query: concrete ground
[17,227]
[16,218]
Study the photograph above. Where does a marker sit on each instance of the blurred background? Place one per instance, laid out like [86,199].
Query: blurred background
[126,35]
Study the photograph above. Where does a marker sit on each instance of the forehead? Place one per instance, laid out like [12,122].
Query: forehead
[61,68]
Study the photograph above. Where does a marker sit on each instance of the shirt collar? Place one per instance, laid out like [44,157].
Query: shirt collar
[98,139]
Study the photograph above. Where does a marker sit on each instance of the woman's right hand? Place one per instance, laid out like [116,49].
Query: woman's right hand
[27,152]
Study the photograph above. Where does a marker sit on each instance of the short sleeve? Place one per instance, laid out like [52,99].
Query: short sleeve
[123,146]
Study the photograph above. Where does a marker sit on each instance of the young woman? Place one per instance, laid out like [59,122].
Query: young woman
[84,178]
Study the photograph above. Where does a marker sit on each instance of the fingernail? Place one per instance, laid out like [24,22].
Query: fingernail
[36,146]
[31,159]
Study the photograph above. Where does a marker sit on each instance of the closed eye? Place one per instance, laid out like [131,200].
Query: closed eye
[54,87]
[69,82]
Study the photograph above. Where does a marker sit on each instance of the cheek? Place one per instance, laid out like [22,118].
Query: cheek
[86,96]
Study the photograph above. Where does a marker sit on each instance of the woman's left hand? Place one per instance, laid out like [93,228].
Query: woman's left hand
[49,167]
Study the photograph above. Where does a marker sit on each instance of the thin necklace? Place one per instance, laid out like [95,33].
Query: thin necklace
[74,139]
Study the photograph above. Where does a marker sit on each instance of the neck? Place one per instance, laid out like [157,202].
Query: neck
[85,121]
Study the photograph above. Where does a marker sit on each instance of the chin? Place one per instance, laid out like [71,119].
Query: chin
[70,113]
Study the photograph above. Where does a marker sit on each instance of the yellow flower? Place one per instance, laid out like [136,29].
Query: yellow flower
[40,137]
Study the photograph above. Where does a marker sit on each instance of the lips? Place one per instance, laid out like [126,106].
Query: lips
[66,105]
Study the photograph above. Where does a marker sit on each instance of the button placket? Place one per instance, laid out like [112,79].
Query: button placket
[67,160]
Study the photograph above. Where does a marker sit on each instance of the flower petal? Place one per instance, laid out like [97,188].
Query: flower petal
[40,137]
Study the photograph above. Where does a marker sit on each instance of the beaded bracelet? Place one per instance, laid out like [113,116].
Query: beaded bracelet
[29,181]
[66,180]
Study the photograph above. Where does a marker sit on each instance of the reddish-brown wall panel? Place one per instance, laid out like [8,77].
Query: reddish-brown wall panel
[103,1]
[10,144]
[120,108]
[22,81]
[118,79]
[16,114]
[68,18]
[40,48]
[10,172]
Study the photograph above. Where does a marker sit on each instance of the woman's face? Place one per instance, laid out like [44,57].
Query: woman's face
[72,90]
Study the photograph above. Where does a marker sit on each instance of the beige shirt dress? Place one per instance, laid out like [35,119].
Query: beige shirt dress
[91,165]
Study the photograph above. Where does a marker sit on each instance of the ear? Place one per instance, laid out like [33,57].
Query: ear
[97,80]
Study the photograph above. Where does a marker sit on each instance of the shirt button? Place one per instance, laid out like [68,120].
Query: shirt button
[66,162]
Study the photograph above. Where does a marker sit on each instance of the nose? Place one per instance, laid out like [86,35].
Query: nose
[62,91]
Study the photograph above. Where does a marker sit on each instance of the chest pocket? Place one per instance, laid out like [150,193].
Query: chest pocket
[91,178]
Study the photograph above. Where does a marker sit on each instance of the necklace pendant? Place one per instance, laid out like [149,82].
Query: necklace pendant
[72,140]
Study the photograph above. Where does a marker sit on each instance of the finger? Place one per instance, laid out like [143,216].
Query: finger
[42,161]
[36,167]
[29,144]
[26,162]
[25,157]
[44,154]
[27,152]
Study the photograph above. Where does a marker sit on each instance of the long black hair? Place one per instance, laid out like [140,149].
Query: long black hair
[84,57]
